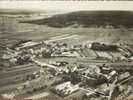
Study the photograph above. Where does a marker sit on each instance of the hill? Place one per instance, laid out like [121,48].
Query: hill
[115,19]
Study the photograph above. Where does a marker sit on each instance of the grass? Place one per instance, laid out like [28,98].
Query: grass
[41,32]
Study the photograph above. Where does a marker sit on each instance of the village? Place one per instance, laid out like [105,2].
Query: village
[53,69]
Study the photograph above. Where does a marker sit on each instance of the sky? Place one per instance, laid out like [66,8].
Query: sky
[68,5]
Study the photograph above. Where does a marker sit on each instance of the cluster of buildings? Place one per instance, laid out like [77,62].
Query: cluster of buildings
[112,52]
[26,49]
[89,81]
[22,52]
[69,79]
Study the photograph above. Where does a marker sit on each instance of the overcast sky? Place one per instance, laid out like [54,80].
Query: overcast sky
[68,5]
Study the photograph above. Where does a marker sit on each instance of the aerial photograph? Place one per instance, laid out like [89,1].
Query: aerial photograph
[65,52]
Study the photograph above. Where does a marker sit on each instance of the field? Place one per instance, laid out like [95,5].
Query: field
[43,32]
[13,27]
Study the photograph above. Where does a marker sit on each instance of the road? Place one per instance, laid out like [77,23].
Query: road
[87,60]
